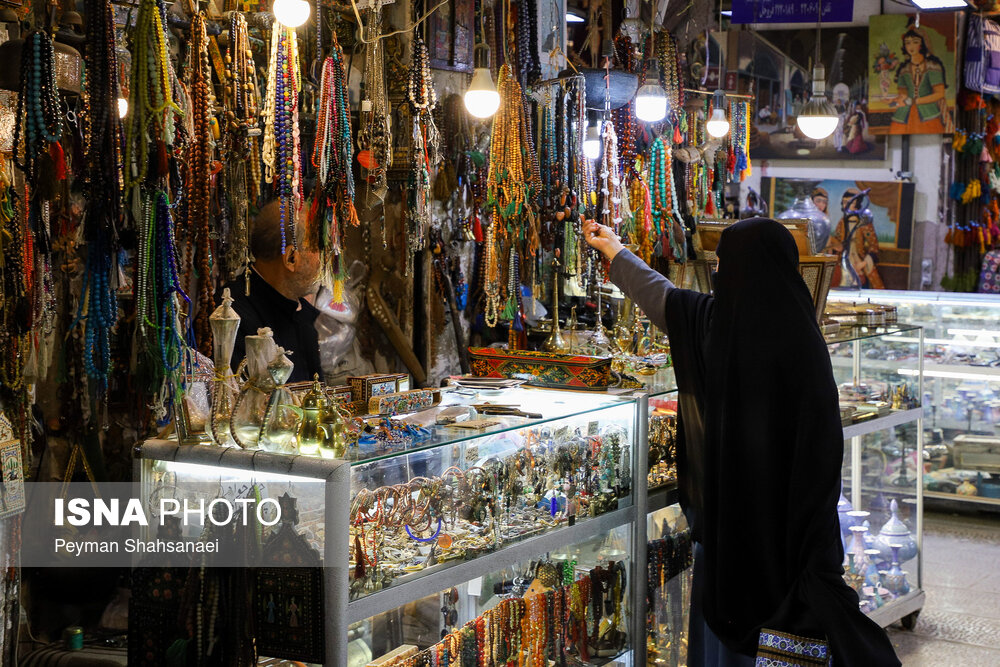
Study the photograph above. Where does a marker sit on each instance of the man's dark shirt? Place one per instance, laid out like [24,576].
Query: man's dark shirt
[293,324]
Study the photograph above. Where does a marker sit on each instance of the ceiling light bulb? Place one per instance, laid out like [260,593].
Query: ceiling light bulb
[592,143]
[650,103]
[122,107]
[482,99]
[818,118]
[291,13]
[718,125]
[940,4]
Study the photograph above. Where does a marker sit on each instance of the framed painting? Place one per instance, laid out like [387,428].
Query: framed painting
[775,66]
[912,75]
[878,247]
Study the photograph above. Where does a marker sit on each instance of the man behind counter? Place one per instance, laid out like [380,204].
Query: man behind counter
[281,287]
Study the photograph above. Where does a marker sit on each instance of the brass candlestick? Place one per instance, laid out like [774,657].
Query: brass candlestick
[600,339]
[555,342]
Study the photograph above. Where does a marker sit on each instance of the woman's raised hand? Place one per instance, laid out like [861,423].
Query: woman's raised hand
[602,238]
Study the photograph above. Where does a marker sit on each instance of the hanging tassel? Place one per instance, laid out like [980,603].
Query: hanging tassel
[510,308]
[678,139]
[477,228]
[58,160]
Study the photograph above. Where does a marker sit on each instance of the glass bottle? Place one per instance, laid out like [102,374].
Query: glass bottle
[282,417]
[224,322]
[248,413]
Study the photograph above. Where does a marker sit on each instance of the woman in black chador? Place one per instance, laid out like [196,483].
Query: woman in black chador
[761,449]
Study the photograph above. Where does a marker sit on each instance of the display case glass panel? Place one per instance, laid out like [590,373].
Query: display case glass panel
[415,511]
[529,599]
[961,388]
[670,558]
[877,370]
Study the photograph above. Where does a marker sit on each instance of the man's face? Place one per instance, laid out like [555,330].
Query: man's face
[821,202]
[304,271]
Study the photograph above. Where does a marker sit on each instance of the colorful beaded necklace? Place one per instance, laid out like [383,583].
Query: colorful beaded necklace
[282,163]
[152,108]
[332,156]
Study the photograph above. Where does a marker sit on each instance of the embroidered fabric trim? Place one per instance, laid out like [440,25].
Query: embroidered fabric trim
[779,649]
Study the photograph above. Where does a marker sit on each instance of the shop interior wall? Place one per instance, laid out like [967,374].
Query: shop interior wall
[927,163]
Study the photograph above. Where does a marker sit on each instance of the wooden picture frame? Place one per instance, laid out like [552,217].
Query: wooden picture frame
[450,36]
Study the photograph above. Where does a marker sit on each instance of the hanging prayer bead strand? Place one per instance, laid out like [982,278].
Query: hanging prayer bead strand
[241,146]
[104,182]
[200,178]
[375,135]
[38,108]
[422,98]
[152,108]
[281,138]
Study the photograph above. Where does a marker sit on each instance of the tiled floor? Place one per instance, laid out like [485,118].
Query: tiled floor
[960,622]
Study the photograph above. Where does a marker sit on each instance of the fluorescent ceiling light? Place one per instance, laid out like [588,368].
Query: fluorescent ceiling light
[573,18]
[940,4]
[727,12]
[951,375]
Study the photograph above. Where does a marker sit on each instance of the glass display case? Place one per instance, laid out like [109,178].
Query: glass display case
[881,507]
[447,496]
[961,389]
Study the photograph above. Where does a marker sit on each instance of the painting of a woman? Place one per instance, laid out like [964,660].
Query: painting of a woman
[920,106]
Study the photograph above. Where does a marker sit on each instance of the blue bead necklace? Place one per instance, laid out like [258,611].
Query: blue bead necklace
[37,103]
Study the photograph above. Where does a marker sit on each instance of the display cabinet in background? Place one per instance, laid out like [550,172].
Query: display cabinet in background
[961,394]
[425,515]
[878,371]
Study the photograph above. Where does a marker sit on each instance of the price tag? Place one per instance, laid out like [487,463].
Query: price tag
[592,428]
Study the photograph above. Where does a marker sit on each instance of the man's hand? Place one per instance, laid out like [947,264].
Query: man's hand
[602,238]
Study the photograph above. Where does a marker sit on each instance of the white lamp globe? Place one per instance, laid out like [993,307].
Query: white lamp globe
[818,118]
[650,104]
[482,99]
[291,13]
[122,107]
[718,125]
